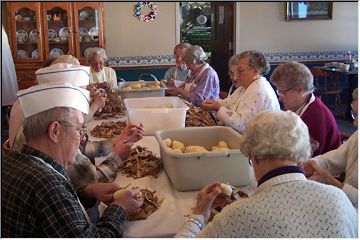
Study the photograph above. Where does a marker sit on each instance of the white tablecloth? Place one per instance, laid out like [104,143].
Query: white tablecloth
[176,206]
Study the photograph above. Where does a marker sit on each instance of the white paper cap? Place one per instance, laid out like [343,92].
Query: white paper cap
[58,73]
[39,98]
[66,59]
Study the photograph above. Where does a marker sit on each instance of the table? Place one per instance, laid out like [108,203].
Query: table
[176,206]
[351,77]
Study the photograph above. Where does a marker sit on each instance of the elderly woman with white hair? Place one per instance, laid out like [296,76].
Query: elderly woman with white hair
[253,94]
[285,204]
[99,73]
[294,83]
[323,168]
[202,82]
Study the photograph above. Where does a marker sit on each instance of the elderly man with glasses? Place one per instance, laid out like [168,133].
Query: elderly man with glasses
[38,198]
[294,83]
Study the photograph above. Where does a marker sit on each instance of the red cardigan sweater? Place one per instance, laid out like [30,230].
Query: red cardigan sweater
[322,126]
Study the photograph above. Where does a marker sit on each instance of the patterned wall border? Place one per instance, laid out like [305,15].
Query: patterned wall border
[141,60]
[273,57]
[309,56]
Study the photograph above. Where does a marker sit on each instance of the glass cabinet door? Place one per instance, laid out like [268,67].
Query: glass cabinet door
[196,24]
[88,30]
[26,32]
[58,29]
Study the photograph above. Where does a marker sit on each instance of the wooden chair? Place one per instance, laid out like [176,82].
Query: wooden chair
[325,86]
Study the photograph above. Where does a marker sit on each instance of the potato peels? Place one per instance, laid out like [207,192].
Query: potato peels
[108,129]
[140,163]
[151,204]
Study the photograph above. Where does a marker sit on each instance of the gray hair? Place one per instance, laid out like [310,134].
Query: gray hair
[36,126]
[257,60]
[91,52]
[355,94]
[293,74]
[195,54]
[182,46]
[277,134]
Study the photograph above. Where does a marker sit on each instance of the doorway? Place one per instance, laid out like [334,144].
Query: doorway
[211,26]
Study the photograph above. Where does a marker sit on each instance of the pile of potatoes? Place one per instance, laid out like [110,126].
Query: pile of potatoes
[165,105]
[179,147]
[143,85]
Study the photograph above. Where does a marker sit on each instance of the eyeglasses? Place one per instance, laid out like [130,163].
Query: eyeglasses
[97,63]
[80,130]
[282,93]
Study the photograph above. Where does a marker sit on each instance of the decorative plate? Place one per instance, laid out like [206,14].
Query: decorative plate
[35,54]
[64,33]
[22,36]
[52,34]
[34,35]
[201,19]
[83,32]
[83,15]
[94,33]
[56,52]
[21,54]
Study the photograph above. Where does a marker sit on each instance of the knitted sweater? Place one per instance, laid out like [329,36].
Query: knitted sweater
[345,158]
[288,206]
[237,109]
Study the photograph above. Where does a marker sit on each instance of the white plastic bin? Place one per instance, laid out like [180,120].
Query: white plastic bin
[141,92]
[192,171]
[154,119]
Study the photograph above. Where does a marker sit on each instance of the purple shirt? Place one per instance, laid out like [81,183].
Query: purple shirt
[205,87]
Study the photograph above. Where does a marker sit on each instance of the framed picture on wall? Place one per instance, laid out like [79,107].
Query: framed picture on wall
[298,11]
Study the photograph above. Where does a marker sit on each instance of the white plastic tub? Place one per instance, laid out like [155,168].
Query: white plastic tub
[154,119]
[192,171]
[141,92]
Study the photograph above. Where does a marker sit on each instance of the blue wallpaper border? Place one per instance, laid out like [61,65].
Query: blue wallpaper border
[273,57]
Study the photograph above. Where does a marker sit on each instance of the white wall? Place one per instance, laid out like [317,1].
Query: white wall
[262,27]
[128,36]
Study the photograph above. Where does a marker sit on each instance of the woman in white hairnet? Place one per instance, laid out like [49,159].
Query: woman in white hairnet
[104,77]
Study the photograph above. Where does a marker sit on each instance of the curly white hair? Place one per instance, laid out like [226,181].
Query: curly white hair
[277,134]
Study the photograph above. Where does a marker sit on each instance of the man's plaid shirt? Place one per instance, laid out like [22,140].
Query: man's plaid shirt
[36,201]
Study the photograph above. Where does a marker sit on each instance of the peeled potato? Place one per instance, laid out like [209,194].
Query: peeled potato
[220,149]
[154,86]
[128,88]
[166,105]
[192,149]
[167,142]
[177,150]
[143,84]
[135,85]
[223,144]
[177,145]
[226,189]
[214,148]
[118,193]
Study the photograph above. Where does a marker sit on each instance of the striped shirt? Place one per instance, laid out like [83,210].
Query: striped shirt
[39,201]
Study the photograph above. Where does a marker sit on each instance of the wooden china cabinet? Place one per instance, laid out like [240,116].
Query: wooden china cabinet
[41,31]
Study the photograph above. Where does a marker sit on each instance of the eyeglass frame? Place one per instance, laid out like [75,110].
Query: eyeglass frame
[282,93]
[353,114]
[81,130]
